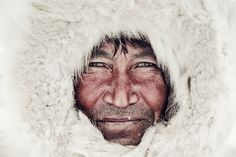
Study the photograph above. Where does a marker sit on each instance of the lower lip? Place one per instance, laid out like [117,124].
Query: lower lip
[118,120]
[131,122]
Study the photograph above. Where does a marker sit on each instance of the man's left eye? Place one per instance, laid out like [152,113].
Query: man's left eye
[145,64]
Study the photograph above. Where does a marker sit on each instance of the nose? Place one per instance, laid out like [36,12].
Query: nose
[122,94]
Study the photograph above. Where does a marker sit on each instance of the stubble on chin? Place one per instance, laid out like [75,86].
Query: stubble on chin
[124,132]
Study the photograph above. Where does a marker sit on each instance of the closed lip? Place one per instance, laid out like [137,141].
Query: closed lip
[118,120]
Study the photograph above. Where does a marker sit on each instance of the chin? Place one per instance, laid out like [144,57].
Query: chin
[124,133]
[126,141]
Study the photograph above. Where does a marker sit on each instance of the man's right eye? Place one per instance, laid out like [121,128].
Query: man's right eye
[99,65]
[96,64]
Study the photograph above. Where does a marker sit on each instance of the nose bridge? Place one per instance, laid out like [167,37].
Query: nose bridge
[121,78]
[121,90]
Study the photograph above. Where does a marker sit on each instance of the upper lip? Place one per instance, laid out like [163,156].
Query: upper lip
[119,119]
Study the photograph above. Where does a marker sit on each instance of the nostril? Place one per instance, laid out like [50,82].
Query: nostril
[132,104]
[109,104]
[133,99]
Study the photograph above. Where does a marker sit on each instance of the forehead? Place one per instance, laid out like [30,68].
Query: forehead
[111,48]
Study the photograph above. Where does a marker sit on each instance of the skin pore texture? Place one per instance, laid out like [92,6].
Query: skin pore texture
[123,94]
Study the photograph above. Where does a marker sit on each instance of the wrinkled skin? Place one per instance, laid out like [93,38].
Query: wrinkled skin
[122,94]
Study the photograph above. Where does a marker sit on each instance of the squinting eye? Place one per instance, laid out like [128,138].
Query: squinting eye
[97,64]
[145,64]
[100,65]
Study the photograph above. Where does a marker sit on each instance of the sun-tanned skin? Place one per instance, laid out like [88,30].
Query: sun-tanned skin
[123,94]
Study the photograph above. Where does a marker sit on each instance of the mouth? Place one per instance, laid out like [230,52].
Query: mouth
[119,120]
[126,131]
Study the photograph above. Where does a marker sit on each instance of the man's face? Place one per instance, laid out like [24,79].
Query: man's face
[122,94]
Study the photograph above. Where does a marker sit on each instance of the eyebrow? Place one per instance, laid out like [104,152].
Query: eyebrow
[145,53]
[148,52]
[100,53]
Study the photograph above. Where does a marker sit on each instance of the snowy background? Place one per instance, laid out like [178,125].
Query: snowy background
[228,8]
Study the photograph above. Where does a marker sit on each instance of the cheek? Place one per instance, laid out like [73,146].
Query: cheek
[154,92]
[90,89]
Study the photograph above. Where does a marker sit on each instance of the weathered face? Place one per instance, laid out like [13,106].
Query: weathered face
[122,94]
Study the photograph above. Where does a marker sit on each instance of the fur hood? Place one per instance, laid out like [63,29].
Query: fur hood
[54,39]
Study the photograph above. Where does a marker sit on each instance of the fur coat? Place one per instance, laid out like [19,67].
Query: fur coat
[43,42]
